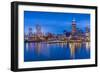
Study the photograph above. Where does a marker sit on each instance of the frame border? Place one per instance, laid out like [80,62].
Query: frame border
[14,35]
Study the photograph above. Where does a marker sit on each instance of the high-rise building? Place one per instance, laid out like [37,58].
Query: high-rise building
[73,26]
[87,29]
[30,32]
[38,30]
[87,33]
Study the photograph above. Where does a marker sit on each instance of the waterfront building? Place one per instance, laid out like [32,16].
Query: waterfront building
[38,31]
[74,27]
[87,34]
[74,33]
[30,32]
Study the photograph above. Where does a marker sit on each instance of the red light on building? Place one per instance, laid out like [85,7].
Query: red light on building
[73,26]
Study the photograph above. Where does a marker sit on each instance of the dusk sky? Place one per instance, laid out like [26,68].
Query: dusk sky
[54,22]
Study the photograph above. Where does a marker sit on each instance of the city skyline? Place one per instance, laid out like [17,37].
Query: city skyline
[60,21]
[60,35]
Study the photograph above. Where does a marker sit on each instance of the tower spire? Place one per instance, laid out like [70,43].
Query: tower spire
[73,21]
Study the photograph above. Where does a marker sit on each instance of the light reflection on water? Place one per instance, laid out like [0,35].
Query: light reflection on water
[42,51]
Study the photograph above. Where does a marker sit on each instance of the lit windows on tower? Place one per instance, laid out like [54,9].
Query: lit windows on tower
[73,26]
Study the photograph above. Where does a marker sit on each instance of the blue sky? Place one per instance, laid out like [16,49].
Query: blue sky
[54,22]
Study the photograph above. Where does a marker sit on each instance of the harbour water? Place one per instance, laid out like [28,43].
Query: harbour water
[43,51]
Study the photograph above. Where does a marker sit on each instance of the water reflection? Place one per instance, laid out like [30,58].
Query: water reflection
[87,45]
[56,51]
[72,49]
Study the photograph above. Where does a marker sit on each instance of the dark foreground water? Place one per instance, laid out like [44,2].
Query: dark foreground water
[56,51]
